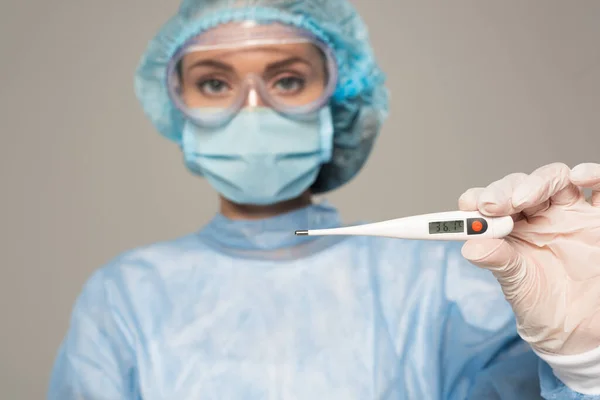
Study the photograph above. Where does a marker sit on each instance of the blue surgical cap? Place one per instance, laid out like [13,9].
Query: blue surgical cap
[359,104]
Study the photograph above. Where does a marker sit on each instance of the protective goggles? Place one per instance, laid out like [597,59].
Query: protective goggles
[218,73]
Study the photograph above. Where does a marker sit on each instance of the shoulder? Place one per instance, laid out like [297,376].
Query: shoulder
[442,257]
[423,256]
[156,257]
[144,269]
[137,287]
[438,266]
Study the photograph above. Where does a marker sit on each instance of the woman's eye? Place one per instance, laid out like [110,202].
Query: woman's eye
[213,86]
[290,84]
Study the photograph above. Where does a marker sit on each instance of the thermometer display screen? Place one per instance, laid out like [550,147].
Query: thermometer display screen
[446,227]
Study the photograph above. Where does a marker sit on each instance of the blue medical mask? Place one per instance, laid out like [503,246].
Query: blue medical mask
[260,157]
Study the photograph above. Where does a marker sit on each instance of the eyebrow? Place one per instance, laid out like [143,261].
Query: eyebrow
[211,63]
[226,67]
[287,62]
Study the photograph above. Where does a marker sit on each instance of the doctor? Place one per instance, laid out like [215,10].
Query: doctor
[273,101]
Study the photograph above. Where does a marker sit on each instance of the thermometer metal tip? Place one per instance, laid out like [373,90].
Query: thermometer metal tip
[301,233]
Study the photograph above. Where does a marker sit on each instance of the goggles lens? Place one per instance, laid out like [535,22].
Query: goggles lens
[214,76]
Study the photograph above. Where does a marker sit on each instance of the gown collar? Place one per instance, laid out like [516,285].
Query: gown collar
[271,233]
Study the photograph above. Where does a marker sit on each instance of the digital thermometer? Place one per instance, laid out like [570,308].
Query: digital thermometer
[453,225]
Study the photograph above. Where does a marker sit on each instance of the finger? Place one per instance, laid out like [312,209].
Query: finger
[495,200]
[588,176]
[540,208]
[571,194]
[468,200]
[541,185]
[498,256]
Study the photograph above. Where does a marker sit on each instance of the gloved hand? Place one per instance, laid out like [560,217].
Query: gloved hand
[549,266]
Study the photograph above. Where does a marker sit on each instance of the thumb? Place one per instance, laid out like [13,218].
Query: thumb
[498,256]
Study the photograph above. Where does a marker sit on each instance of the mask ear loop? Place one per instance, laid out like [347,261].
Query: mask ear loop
[326,132]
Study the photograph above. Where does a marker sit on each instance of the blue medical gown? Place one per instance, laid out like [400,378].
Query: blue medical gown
[247,310]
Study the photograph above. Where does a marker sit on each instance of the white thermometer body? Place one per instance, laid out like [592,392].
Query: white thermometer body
[453,225]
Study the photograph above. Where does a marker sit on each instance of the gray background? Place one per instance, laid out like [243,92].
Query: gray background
[480,89]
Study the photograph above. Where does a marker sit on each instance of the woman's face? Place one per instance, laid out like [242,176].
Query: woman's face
[294,74]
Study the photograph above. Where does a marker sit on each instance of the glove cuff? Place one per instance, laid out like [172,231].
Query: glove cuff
[580,372]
